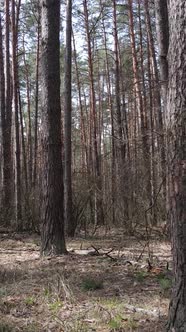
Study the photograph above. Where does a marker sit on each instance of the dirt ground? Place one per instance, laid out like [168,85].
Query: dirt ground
[104,284]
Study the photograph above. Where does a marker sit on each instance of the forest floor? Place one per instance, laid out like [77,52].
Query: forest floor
[104,284]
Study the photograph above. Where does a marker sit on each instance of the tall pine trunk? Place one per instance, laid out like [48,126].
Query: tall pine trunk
[36,103]
[69,220]
[176,145]
[18,198]
[8,196]
[99,216]
[2,95]
[53,240]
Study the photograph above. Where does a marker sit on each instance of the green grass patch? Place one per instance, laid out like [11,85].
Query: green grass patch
[164,282]
[47,292]
[30,301]
[140,276]
[115,323]
[55,306]
[3,292]
[110,303]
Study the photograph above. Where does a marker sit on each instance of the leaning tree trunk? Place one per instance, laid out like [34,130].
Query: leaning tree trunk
[176,139]
[53,241]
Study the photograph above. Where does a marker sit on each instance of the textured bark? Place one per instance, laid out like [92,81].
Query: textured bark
[82,120]
[23,143]
[36,102]
[2,83]
[18,196]
[92,90]
[53,241]
[140,15]
[152,142]
[2,92]
[69,220]
[121,145]
[162,27]
[7,145]
[137,82]
[29,122]
[176,139]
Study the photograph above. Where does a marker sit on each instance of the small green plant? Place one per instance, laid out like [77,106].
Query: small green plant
[90,284]
[30,300]
[47,292]
[55,306]
[3,292]
[140,276]
[110,303]
[115,323]
[165,283]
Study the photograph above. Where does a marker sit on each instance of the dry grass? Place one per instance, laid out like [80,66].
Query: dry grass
[51,294]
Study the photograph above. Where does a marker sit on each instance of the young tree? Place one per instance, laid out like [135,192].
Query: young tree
[53,240]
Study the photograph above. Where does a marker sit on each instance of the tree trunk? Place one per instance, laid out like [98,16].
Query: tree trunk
[29,122]
[7,148]
[53,240]
[82,120]
[157,95]
[176,144]
[122,147]
[142,110]
[137,82]
[69,220]
[110,104]
[2,95]
[36,102]
[99,216]
[162,27]
[23,143]
[18,188]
